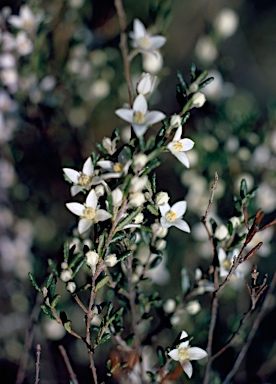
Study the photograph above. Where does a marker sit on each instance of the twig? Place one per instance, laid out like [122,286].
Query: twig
[252,332]
[123,46]
[28,340]
[72,374]
[37,364]
[204,218]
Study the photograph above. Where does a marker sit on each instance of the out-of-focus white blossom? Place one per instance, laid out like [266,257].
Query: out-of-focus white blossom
[206,50]
[143,41]
[111,260]
[226,22]
[136,199]
[146,84]
[23,44]
[221,232]
[152,63]
[26,19]
[193,307]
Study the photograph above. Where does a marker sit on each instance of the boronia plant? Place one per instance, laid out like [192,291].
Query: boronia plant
[120,211]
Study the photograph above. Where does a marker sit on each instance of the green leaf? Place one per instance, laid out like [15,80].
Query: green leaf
[101,243]
[67,326]
[155,262]
[74,260]
[128,219]
[126,184]
[193,71]
[104,339]
[34,283]
[243,189]
[152,209]
[152,165]
[185,117]
[182,81]
[150,143]
[205,82]
[117,237]
[124,255]
[55,301]
[47,311]
[109,309]
[101,283]
[101,148]
[66,251]
[230,227]
[78,266]
[153,183]
[161,356]
[53,267]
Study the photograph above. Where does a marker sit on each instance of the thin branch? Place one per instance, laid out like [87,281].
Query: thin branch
[72,374]
[37,364]
[213,189]
[252,332]
[123,46]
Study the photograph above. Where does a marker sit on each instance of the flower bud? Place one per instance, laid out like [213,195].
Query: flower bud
[140,161]
[226,22]
[160,231]
[221,232]
[175,121]
[111,260]
[193,88]
[44,292]
[193,307]
[169,306]
[145,85]
[136,199]
[64,265]
[138,183]
[66,275]
[71,287]
[139,218]
[92,259]
[99,189]
[160,244]
[161,198]
[198,99]
[235,221]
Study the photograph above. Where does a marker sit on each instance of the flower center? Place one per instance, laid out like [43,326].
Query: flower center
[145,42]
[170,216]
[117,167]
[84,180]
[177,146]
[183,354]
[138,117]
[226,264]
[27,24]
[89,213]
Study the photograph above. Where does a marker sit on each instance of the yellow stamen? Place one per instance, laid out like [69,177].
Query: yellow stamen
[170,216]
[89,213]
[139,117]
[84,180]
[183,354]
[117,167]
[226,264]
[145,42]
[177,146]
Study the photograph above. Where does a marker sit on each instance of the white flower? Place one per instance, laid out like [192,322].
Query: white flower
[178,146]
[115,170]
[25,20]
[152,63]
[84,179]
[88,212]
[142,40]
[137,183]
[226,261]
[172,216]
[23,44]
[198,99]
[66,275]
[184,354]
[221,232]
[146,84]
[139,116]
[71,287]
[136,199]
[139,161]
[226,22]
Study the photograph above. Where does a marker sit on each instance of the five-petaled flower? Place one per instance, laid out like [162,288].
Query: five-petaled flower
[184,353]
[178,146]
[139,116]
[172,216]
[84,179]
[89,212]
[26,20]
[143,41]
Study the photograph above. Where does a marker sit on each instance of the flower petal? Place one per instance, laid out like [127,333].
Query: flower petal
[106,164]
[102,215]
[165,223]
[181,224]
[88,168]
[183,335]
[187,144]
[196,353]
[178,134]
[174,354]
[153,117]
[179,208]
[76,208]
[140,104]
[92,200]
[83,225]
[164,209]
[157,41]
[139,29]
[139,129]
[72,174]
[125,114]
[187,367]
[182,157]
[75,189]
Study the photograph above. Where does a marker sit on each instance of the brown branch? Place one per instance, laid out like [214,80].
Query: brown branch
[204,218]
[252,332]
[37,363]
[123,46]
[72,374]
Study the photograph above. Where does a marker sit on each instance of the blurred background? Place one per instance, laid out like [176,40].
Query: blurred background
[59,90]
